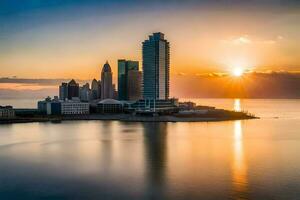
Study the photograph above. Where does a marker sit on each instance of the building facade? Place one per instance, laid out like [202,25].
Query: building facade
[63,91]
[155,106]
[134,85]
[7,112]
[73,89]
[53,108]
[74,108]
[106,82]
[42,105]
[124,66]
[156,67]
[109,106]
[96,90]
[85,93]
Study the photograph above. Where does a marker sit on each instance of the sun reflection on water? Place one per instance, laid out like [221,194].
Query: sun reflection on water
[239,166]
[237,105]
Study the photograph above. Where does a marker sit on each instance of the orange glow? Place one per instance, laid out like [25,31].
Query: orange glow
[237,72]
[18,86]
[237,105]
[239,167]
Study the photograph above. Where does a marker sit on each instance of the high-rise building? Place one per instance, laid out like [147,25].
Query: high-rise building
[95,90]
[115,92]
[134,85]
[106,82]
[85,93]
[63,91]
[122,79]
[124,66]
[99,89]
[156,67]
[73,89]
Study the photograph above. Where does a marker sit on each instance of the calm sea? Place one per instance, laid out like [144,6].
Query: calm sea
[248,159]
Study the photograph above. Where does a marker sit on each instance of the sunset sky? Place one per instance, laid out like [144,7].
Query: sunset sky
[74,38]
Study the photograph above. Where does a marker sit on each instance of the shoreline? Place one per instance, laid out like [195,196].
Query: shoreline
[123,118]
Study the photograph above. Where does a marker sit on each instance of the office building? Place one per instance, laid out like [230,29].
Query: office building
[63,91]
[42,105]
[124,66]
[99,89]
[156,67]
[106,82]
[49,106]
[73,89]
[134,85]
[53,108]
[115,92]
[85,93]
[96,89]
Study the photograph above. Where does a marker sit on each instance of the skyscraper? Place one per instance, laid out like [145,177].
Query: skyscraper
[85,93]
[106,82]
[63,91]
[134,85]
[156,67]
[124,66]
[73,89]
[95,90]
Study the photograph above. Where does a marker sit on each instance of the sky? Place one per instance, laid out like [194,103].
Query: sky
[61,39]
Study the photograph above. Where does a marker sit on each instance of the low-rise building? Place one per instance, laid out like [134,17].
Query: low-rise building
[58,107]
[54,108]
[49,106]
[187,105]
[109,106]
[74,108]
[7,112]
[42,105]
[155,106]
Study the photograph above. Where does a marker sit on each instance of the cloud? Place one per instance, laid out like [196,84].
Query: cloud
[241,40]
[37,81]
[272,84]
[246,40]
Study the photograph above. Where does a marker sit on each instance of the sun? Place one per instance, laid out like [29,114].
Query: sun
[237,72]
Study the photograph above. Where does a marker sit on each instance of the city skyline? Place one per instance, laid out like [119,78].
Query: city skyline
[209,41]
[150,99]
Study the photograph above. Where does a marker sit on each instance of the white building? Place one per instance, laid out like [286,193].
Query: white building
[7,112]
[74,108]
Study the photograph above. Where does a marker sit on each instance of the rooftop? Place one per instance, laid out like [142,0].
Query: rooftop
[109,101]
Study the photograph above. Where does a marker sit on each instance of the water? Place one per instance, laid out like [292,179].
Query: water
[248,159]
[20,103]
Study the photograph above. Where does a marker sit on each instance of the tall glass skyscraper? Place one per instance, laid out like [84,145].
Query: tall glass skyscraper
[124,67]
[156,67]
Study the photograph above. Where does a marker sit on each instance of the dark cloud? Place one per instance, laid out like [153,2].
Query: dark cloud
[252,85]
[45,82]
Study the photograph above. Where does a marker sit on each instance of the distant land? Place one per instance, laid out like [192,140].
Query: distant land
[251,85]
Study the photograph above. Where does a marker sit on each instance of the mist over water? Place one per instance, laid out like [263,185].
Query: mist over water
[248,159]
